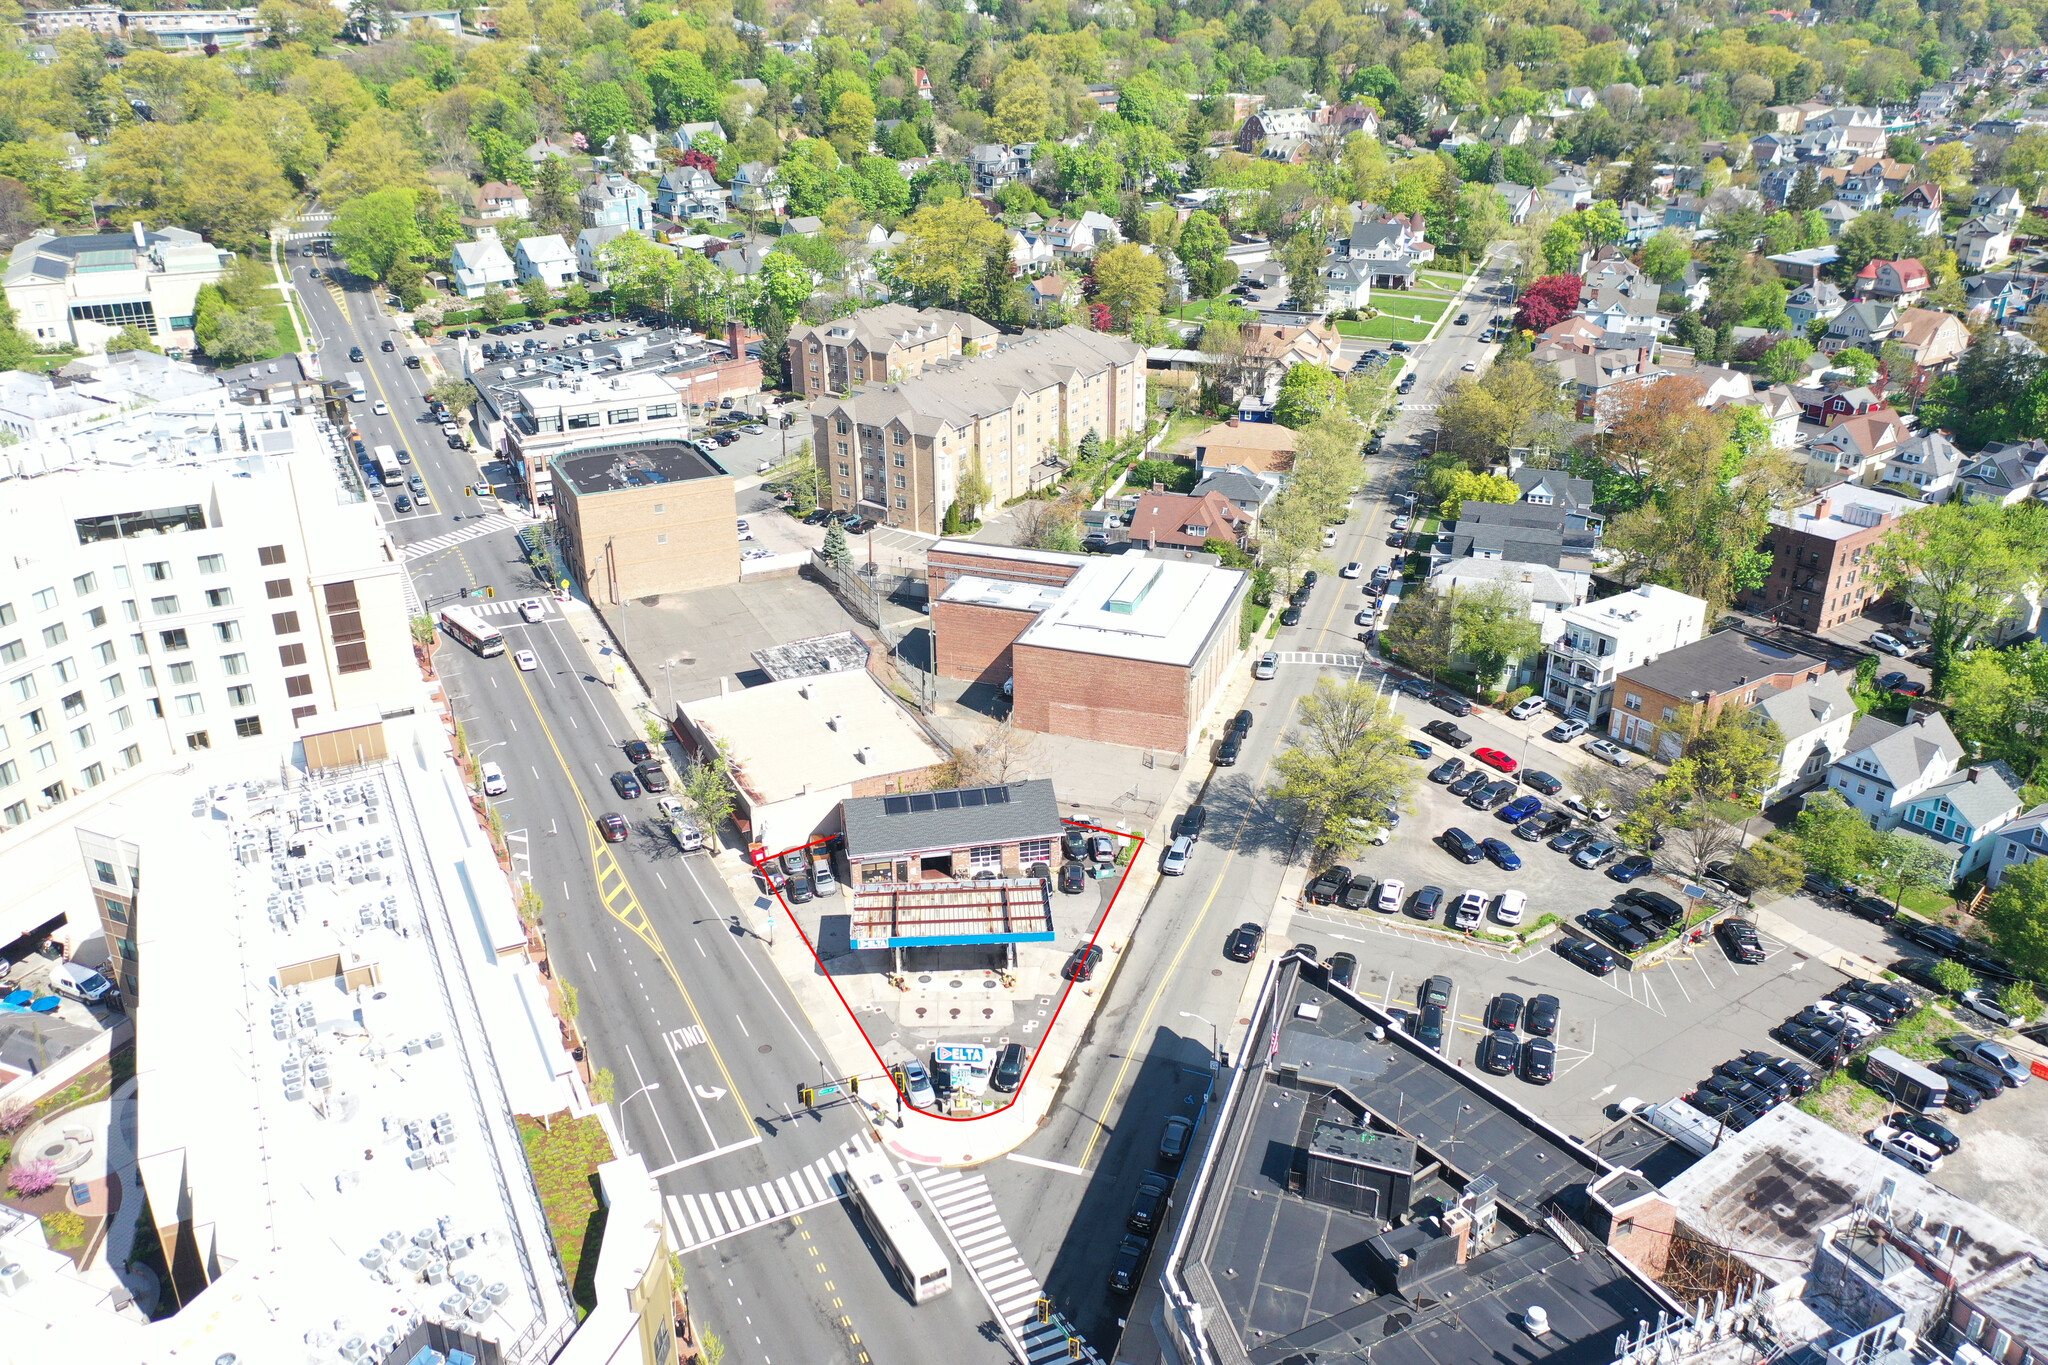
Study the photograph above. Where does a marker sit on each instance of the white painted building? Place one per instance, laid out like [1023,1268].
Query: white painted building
[1604,639]
[1886,766]
[1816,721]
[83,289]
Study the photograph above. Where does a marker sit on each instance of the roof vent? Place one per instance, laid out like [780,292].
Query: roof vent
[1536,1320]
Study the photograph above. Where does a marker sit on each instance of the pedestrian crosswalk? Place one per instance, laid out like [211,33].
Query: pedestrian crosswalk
[488,525]
[504,606]
[698,1220]
[1321,658]
[975,1227]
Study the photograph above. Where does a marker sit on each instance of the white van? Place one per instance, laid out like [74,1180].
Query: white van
[1913,1152]
[80,982]
[1509,906]
[494,780]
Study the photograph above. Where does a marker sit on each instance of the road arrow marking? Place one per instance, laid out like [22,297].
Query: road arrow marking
[709,1092]
[1609,1090]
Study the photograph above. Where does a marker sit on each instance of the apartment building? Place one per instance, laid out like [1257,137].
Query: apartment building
[877,345]
[895,452]
[642,517]
[1602,640]
[189,579]
[1823,556]
[1728,668]
[84,288]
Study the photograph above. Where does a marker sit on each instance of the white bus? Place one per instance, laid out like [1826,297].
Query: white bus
[387,466]
[472,630]
[902,1235]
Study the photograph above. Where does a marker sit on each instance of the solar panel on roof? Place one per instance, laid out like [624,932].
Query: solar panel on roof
[947,800]
[998,796]
[975,797]
[895,805]
[921,802]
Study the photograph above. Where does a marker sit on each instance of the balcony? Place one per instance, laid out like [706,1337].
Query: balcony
[1586,651]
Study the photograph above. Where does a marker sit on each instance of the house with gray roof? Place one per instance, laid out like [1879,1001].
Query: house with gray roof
[2019,840]
[1926,462]
[1555,488]
[1551,590]
[1816,720]
[1525,533]
[1964,812]
[687,193]
[1886,767]
[756,188]
[953,833]
[1819,301]
[994,165]
[2006,472]
[546,258]
[480,264]
[1243,489]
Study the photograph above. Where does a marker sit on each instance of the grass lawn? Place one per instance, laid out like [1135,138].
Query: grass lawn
[1442,279]
[564,1154]
[1918,1035]
[287,340]
[1384,328]
[1181,428]
[1195,310]
[1928,901]
[47,364]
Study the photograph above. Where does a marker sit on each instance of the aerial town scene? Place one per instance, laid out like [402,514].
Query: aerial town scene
[994,682]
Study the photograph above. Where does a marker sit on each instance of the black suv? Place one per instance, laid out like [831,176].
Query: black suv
[1227,750]
[1129,1264]
[1460,845]
[1447,732]
[1947,942]
[1189,823]
[1148,1206]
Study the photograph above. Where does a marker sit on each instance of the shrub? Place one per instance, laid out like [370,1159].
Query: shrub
[1953,977]
[37,1177]
[63,1228]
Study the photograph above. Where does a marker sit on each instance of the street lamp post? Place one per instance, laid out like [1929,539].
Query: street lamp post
[651,1085]
[1215,1037]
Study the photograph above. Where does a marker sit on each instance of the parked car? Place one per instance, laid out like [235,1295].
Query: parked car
[1541,781]
[1996,1057]
[1389,898]
[1607,751]
[1494,758]
[1328,885]
[1148,1206]
[1244,942]
[1343,970]
[1593,854]
[1657,906]
[1504,1011]
[1073,881]
[1544,825]
[1739,940]
[1519,809]
[1074,844]
[1451,702]
[1630,868]
[1501,854]
[1498,1052]
[1081,965]
[1429,1027]
[626,785]
[1587,954]
[1460,845]
[652,776]
[1174,862]
[1447,771]
[1618,930]
[1469,783]
[1986,1082]
[1490,795]
[1127,1267]
[1540,1018]
[1448,733]
[1102,848]
[1008,1072]
[1984,1005]
[1539,1061]
[1173,1138]
[1889,644]
[1426,901]
[1565,731]
[1357,895]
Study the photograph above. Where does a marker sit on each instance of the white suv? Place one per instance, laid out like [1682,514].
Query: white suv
[1889,645]
[1389,899]
[1526,707]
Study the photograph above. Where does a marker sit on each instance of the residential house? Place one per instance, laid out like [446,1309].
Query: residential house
[1772,149]
[1829,404]
[1248,492]
[1816,720]
[1805,266]
[1030,252]
[1984,242]
[1728,668]
[1555,488]
[2004,472]
[1926,222]
[1520,200]
[1569,191]
[1268,124]
[1508,130]
[1837,215]
[1935,340]
[1629,312]
[2001,295]
[1592,382]
[994,165]
[1999,201]
[1347,119]
[1810,303]
[496,199]
[1689,290]
[1925,464]
[1923,195]
[1077,238]
[1900,282]
[1603,639]
[1855,449]
[480,264]
[1823,555]
[1524,533]
[2019,840]
[687,136]
[612,200]
[543,149]
[924,85]
[1392,246]
[1261,448]
[642,154]
[1686,212]
[1886,767]
[548,259]
[1272,348]
[1047,292]
[1182,521]
[590,245]
[756,188]
[688,193]
[1779,409]
[1864,324]
[1639,222]
[1936,101]
[1551,591]
[1580,97]
[1775,184]
[1347,283]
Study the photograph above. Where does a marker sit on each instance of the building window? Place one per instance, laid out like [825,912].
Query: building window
[164,606]
[10,773]
[96,619]
[621,416]
[115,912]
[242,696]
[300,685]
[44,756]
[661,540]
[81,738]
[13,652]
[900,482]
[198,740]
[234,665]
[114,686]
[660,508]
[901,504]
[15,814]
[23,688]
[191,704]
[213,563]
[1632,701]
[299,713]
[173,639]
[184,673]
[46,599]
[1034,851]
[270,554]
[54,636]
[159,572]
[94,774]
[227,632]
[353,658]
[285,623]
[220,597]
[65,669]
[123,718]
[292,656]
[118,315]
[128,757]
[248,727]
[985,858]
[1669,715]
[85,584]
[277,587]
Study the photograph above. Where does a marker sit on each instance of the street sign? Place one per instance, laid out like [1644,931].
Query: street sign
[861,945]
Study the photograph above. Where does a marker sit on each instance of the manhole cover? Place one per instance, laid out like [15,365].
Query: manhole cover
[924,981]
[765,1047]
[1215,971]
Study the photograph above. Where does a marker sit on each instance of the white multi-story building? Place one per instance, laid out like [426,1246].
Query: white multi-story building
[1885,766]
[1602,640]
[191,578]
[84,289]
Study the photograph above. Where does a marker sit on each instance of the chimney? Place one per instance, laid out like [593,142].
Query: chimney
[141,238]
[865,753]
[1975,773]
[1158,487]
[1231,423]
[736,337]
[1820,510]
[838,723]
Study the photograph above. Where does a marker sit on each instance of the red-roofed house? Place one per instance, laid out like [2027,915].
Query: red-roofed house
[1181,521]
[496,199]
[1901,282]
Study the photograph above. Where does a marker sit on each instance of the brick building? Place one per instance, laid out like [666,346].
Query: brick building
[644,517]
[878,345]
[895,451]
[1727,668]
[1823,552]
[1126,649]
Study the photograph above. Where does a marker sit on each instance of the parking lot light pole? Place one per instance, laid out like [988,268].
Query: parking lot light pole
[1215,1037]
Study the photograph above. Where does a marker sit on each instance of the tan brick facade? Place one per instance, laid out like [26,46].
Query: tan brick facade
[643,541]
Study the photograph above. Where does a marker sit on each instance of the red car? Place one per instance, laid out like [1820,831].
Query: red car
[1494,758]
[614,827]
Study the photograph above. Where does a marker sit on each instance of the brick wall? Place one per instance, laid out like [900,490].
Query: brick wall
[1116,701]
[1642,1235]
[974,641]
[943,566]
[689,543]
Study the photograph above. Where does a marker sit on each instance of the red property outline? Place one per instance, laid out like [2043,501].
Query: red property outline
[1138,841]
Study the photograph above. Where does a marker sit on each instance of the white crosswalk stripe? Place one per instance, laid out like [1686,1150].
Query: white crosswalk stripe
[964,1204]
[1319,657]
[698,1220]
[489,525]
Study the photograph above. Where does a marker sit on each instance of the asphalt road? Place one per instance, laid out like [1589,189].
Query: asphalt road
[705,1043]
[1173,994]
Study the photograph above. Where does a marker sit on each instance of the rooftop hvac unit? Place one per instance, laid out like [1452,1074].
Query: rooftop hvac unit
[13,1278]
[415,1259]
[437,1040]
[498,1292]
[425,1237]
[469,1282]
[373,1258]
[437,1271]
[355,1348]
[392,1240]
[418,1161]
[451,1306]
[481,1310]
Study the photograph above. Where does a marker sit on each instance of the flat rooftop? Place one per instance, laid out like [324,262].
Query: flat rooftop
[812,734]
[1283,1277]
[1001,593]
[1843,510]
[1138,607]
[940,914]
[807,658]
[634,464]
[1765,1192]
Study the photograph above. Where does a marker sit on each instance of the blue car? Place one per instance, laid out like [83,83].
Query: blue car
[1520,809]
[1630,868]
[1419,749]
[1503,857]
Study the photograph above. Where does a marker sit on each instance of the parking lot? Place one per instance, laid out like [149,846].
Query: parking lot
[2005,1144]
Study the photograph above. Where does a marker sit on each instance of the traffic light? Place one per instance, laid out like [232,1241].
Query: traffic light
[805,1097]
[853,1085]
[490,592]
[1073,1348]
[1044,1308]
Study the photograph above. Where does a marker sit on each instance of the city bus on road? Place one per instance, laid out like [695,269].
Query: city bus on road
[386,461]
[899,1232]
[466,625]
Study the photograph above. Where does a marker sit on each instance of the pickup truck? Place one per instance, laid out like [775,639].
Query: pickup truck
[688,837]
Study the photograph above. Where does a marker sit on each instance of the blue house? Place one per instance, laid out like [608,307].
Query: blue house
[1964,812]
[612,200]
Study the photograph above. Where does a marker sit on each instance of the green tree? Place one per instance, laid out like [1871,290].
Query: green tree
[1732,757]
[534,293]
[1303,258]
[1306,393]
[1665,256]
[1463,486]
[1493,629]
[553,203]
[944,248]
[706,785]
[242,334]
[1420,629]
[1902,861]
[1481,419]
[1786,361]
[1954,977]
[1858,361]
[456,395]
[973,493]
[1960,564]
[133,338]
[835,545]
[1346,764]
[774,346]
[409,282]
[1130,281]
[1202,244]
[1833,837]
[2016,917]
[15,346]
[374,233]
[495,304]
